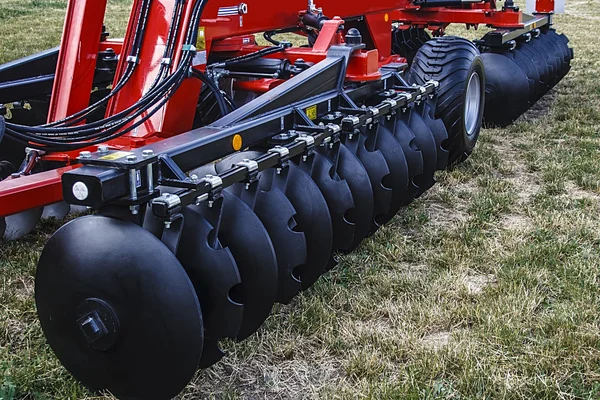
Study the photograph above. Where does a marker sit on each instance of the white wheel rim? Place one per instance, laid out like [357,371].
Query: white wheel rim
[472,104]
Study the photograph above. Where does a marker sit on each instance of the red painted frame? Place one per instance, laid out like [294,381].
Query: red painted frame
[81,41]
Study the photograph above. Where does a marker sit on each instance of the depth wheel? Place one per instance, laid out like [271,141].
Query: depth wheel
[456,64]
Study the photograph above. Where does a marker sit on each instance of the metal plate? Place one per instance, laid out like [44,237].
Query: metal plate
[22,224]
[57,211]
[98,272]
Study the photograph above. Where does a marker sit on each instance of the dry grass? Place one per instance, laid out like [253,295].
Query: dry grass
[487,287]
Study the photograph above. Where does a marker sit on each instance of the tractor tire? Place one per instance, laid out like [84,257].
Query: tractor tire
[457,65]
[407,42]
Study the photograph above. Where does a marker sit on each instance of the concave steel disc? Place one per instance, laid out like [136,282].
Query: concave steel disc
[57,210]
[21,224]
[118,309]
[278,216]
[312,217]
[214,274]
[338,196]
[240,230]
[352,171]
[414,158]
[426,142]
[398,180]
[377,169]
[440,135]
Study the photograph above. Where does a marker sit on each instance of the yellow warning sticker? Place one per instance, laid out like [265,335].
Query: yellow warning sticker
[201,44]
[117,155]
[311,112]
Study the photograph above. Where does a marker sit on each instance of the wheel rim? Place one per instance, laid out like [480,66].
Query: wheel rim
[472,104]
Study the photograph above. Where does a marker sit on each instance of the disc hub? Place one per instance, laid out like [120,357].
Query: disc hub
[98,323]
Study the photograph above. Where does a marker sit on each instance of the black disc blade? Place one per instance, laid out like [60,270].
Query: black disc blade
[353,172]
[338,196]
[377,169]
[414,158]
[214,274]
[241,231]
[278,216]
[398,179]
[312,217]
[440,135]
[426,143]
[118,309]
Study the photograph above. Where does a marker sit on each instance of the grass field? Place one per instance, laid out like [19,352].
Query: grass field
[488,287]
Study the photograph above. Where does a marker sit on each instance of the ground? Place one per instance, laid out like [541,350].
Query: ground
[487,287]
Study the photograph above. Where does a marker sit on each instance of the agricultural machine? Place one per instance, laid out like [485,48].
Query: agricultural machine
[226,176]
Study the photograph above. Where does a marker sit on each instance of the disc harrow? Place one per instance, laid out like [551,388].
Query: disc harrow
[226,176]
[522,74]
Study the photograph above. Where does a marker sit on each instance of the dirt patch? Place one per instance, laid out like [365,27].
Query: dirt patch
[436,341]
[577,193]
[516,223]
[475,284]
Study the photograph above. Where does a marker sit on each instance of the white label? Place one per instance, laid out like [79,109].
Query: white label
[80,191]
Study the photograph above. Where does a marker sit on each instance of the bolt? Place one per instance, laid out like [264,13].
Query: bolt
[85,154]
[103,149]
[167,224]
[194,178]
[147,153]
[15,175]
[131,158]
[135,210]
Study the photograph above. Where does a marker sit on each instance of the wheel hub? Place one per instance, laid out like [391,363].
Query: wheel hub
[472,104]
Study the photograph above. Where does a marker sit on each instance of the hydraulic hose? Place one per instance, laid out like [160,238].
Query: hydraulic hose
[69,138]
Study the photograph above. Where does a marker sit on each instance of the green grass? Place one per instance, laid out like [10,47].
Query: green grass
[485,288]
